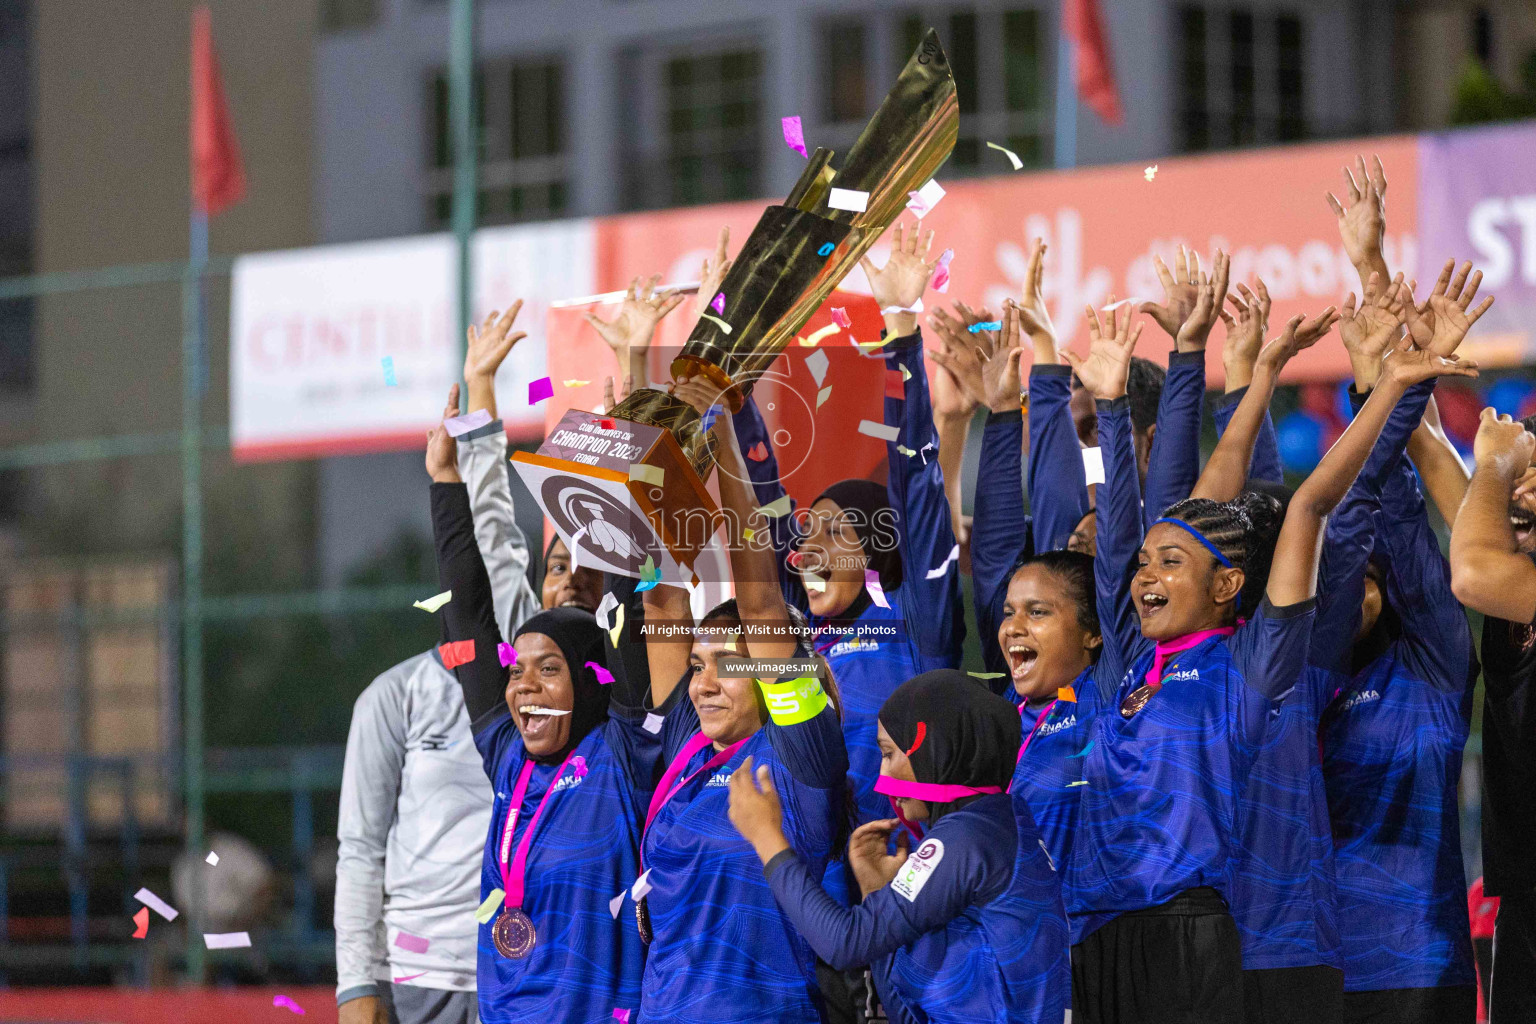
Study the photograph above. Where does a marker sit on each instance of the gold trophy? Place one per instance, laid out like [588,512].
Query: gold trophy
[626,491]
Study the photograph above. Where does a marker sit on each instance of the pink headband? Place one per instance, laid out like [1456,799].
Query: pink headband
[932,792]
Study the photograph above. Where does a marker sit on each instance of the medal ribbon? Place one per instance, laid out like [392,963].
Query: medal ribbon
[1038,723]
[666,788]
[932,792]
[1183,643]
[512,875]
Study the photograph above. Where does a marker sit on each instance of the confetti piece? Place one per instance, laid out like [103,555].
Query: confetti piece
[880,430]
[817,363]
[841,318]
[227,940]
[156,904]
[401,980]
[822,396]
[826,249]
[1093,465]
[1079,782]
[954,556]
[986,675]
[432,604]
[906,374]
[412,943]
[540,389]
[1067,694]
[212,858]
[389,372]
[813,583]
[718,303]
[895,385]
[141,921]
[876,592]
[904,450]
[284,1003]
[579,767]
[457,426]
[716,320]
[642,885]
[487,910]
[603,675]
[747,533]
[758,452]
[605,423]
[456,653]
[1150,172]
[506,654]
[618,626]
[818,335]
[605,609]
[848,199]
[940,282]
[1084,751]
[653,723]
[622,1016]
[868,349]
[1013,157]
[574,547]
[778,507]
[616,904]
[985,325]
[574,383]
[794,135]
[916,307]
[922,202]
[647,474]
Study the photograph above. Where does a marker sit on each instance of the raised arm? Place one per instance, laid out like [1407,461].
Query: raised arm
[763,474]
[629,334]
[1362,222]
[1488,571]
[1239,355]
[1226,473]
[1439,464]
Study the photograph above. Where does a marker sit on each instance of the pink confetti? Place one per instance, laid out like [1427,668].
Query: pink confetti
[794,138]
[941,273]
[603,675]
[412,943]
[540,389]
[409,977]
[288,1004]
[876,592]
[758,452]
[841,318]
[623,1015]
[718,303]
[579,766]
[457,426]
[141,919]
[505,652]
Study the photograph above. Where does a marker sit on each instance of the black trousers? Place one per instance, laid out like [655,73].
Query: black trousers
[1512,997]
[1450,1004]
[1294,995]
[1179,963]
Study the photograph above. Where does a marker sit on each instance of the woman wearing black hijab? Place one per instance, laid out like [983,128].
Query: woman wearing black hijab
[970,926]
[566,750]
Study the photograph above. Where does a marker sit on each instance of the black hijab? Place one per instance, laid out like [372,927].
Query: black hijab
[955,732]
[580,640]
[872,503]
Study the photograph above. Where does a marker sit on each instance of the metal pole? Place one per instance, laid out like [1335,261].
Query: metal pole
[1066,95]
[461,116]
[192,345]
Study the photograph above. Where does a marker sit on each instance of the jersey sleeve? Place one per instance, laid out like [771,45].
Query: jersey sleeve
[1120,536]
[1058,483]
[1436,638]
[1174,465]
[916,902]
[805,733]
[933,608]
[1000,530]
[471,614]
[1270,650]
[891,1000]
[1265,463]
[752,438]
[1348,540]
[483,467]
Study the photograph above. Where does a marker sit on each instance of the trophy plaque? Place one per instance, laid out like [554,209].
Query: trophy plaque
[630,485]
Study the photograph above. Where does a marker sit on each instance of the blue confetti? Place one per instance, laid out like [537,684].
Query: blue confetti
[646,585]
[986,325]
[710,415]
[389,372]
[826,249]
[1084,751]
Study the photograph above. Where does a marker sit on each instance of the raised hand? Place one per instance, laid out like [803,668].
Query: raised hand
[1245,333]
[1408,366]
[1210,295]
[959,388]
[1034,317]
[629,333]
[1108,363]
[1181,291]
[1299,334]
[488,346]
[442,448]
[1447,314]
[609,401]
[1363,222]
[1002,373]
[904,278]
[1370,330]
[1503,439]
[714,269]
[703,393]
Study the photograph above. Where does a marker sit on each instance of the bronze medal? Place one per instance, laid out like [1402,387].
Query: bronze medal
[643,920]
[513,934]
[1136,701]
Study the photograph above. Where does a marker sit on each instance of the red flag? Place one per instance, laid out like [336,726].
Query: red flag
[1084,25]
[218,178]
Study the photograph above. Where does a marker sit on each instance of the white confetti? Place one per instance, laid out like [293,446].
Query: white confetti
[954,556]
[605,609]
[457,426]
[227,940]
[156,904]
[1013,157]
[884,432]
[817,362]
[848,199]
[1150,172]
[642,885]
[1093,465]
[925,199]
[617,903]
[212,858]
[653,723]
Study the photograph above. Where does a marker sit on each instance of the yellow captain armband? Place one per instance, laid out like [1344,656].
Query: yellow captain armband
[791,701]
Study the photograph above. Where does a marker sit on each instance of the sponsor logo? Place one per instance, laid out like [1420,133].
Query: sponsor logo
[850,646]
[914,874]
[1363,697]
[718,779]
[568,782]
[1188,673]
[1053,727]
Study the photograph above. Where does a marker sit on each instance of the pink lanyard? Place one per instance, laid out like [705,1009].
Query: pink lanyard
[1183,643]
[1038,723]
[665,790]
[512,876]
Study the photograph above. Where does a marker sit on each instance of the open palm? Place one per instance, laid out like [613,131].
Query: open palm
[489,344]
[1108,364]
[904,278]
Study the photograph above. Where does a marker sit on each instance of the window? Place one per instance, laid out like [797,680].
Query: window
[695,135]
[519,107]
[1008,109]
[1242,77]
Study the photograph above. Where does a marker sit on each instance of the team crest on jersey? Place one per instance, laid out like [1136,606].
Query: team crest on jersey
[1363,697]
[914,874]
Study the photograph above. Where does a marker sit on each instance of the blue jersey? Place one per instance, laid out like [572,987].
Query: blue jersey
[585,963]
[971,929]
[1392,748]
[722,949]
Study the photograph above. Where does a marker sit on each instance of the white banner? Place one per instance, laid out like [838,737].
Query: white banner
[352,348]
